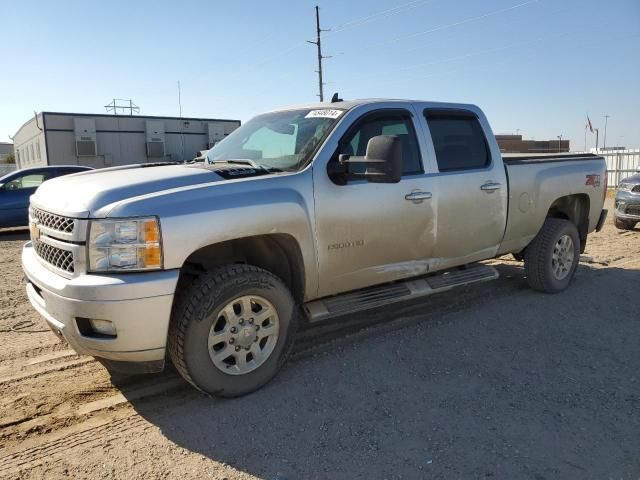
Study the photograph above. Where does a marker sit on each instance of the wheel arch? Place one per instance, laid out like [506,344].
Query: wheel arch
[277,253]
[574,208]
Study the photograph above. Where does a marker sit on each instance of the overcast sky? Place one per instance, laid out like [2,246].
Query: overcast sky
[534,66]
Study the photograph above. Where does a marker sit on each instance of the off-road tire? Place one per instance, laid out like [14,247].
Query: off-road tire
[623,224]
[538,255]
[194,311]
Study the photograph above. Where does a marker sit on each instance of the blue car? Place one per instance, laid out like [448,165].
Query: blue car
[16,188]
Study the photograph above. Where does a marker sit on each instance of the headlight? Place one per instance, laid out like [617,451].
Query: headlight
[131,244]
[625,186]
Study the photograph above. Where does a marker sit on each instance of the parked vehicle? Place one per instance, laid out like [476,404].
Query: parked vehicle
[627,212]
[299,215]
[16,188]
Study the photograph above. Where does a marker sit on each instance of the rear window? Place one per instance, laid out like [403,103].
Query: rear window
[458,140]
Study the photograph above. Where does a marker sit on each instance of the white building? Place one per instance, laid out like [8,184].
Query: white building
[100,140]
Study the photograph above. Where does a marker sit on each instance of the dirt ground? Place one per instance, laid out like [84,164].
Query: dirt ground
[489,381]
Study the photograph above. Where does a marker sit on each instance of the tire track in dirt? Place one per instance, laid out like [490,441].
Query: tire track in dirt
[313,340]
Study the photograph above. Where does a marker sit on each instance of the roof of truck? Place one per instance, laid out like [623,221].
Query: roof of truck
[349,104]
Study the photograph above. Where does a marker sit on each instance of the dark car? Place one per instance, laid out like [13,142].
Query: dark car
[16,188]
[627,211]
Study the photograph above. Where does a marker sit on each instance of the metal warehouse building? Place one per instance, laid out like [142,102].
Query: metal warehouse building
[53,138]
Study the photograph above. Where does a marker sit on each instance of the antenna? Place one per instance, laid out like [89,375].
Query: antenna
[320,57]
[122,104]
[606,119]
[180,115]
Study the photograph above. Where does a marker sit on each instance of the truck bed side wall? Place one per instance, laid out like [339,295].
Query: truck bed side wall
[534,187]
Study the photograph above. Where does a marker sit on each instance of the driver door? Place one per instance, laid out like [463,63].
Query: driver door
[373,233]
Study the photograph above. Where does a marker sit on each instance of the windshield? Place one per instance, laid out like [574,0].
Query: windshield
[277,141]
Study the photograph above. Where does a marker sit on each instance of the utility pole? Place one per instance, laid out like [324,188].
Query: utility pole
[606,117]
[597,135]
[318,44]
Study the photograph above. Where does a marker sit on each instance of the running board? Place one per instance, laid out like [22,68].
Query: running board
[378,296]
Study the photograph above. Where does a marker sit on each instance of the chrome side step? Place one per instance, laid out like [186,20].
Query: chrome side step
[378,296]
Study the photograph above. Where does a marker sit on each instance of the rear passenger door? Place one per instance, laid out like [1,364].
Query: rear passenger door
[472,187]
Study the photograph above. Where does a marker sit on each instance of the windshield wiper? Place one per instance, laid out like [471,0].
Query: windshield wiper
[246,161]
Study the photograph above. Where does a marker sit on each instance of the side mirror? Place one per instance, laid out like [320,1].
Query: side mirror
[383,161]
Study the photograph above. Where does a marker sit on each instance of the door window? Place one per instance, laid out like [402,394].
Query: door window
[26,181]
[355,143]
[458,140]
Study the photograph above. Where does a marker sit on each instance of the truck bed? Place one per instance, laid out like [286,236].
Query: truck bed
[537,180]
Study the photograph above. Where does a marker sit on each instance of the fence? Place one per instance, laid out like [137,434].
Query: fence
[7,168]
[620,164]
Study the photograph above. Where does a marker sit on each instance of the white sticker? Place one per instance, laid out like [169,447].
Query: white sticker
[326,113]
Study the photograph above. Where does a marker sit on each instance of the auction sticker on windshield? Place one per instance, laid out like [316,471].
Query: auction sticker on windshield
[325,113]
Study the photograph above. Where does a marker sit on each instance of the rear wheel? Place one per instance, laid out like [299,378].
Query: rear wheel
[231,330]
[623,224]
[552,257]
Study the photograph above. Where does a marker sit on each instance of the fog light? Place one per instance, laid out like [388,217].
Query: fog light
[103,327]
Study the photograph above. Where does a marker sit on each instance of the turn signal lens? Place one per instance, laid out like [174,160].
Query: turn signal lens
[151,231]
[152,257]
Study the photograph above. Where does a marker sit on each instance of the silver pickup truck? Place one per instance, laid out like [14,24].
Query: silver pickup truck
[300,215]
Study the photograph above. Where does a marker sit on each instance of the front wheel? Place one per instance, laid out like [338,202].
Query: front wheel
[552,257]
[231,330]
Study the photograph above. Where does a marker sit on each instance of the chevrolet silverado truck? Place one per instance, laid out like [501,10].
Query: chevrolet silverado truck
[300,215]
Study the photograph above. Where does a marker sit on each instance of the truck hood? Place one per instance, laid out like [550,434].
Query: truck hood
[80,194]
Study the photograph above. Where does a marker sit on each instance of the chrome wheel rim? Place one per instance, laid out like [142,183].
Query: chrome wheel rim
[244,334]
[562,258]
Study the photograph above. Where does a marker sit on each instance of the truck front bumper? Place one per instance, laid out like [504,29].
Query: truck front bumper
[137,304]
[627,206]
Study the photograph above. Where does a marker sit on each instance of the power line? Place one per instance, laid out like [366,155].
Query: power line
[375,16]
[460,22]
[350,24]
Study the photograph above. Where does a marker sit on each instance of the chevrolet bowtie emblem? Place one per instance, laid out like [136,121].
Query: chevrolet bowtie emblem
[34,230]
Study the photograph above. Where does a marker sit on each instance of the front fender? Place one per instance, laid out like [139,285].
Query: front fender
[208,214]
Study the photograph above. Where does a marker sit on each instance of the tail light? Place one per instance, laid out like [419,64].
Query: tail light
[606,184]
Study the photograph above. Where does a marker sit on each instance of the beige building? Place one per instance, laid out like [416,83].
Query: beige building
[5,150]
[516,144]
[99,140]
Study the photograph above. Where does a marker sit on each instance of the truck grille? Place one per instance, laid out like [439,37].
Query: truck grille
[636,189]
[633,210]
[59,258]
[52,221]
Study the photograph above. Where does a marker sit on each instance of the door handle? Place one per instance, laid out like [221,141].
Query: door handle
[491,187]
[418,196]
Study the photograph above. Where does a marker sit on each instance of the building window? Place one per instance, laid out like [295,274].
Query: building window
[38,149]
[33,157]
[18,157]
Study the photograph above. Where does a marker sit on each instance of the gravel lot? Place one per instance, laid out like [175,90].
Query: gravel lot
[490,381]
